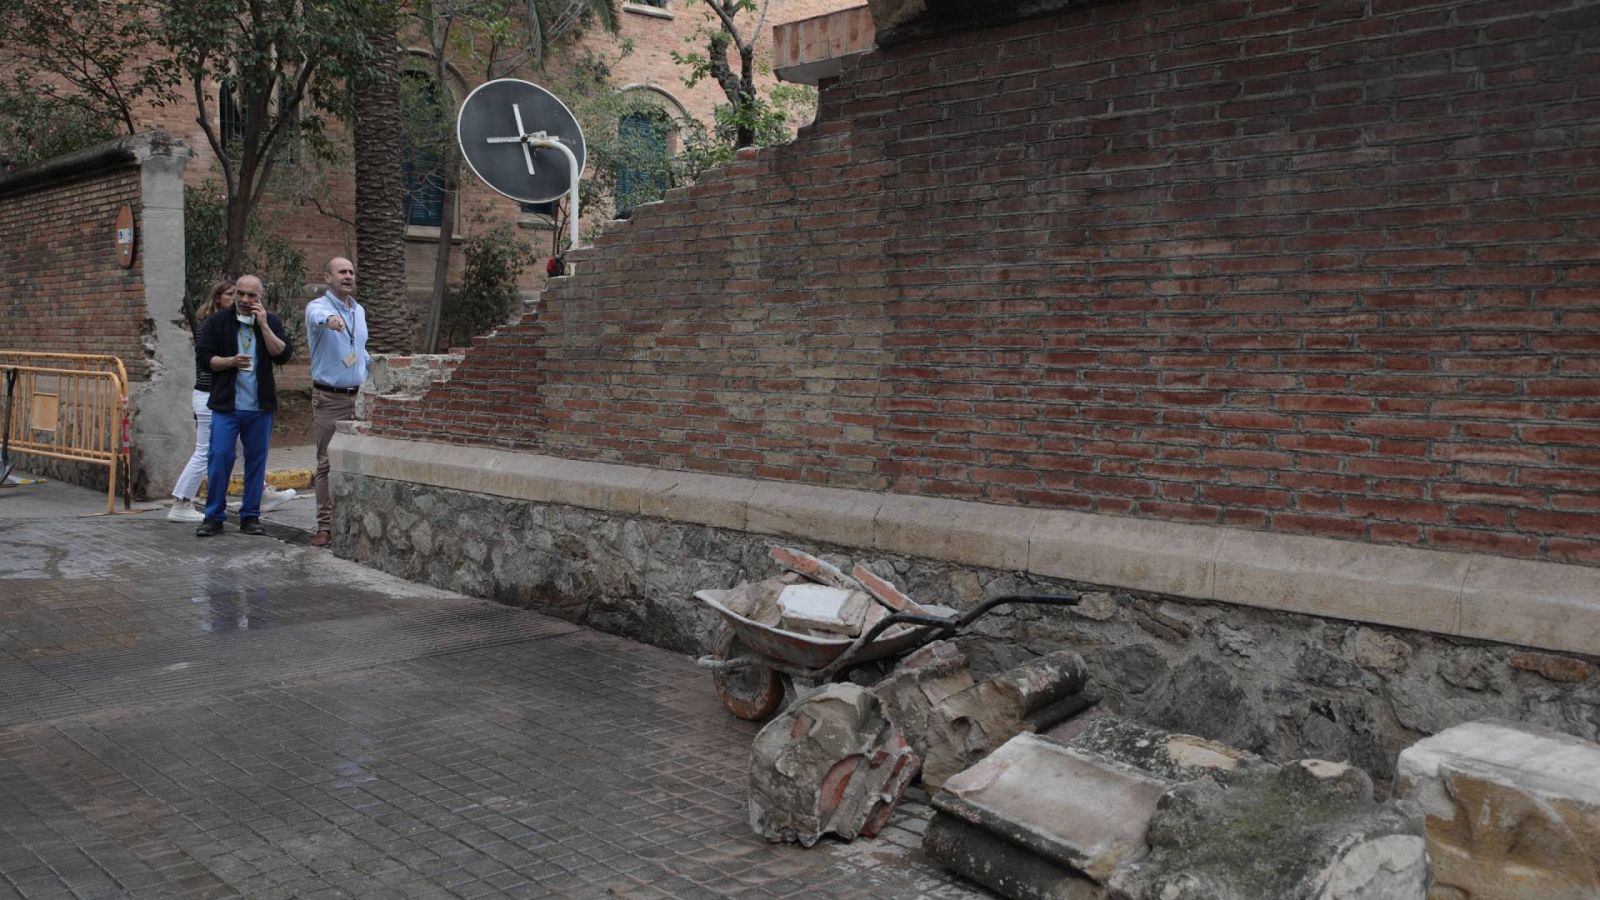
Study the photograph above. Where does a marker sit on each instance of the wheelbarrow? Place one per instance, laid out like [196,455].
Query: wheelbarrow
[755,666]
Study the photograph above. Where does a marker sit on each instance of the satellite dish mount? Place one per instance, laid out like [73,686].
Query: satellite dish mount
[508,111]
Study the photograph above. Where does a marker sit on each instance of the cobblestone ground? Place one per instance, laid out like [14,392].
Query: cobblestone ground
[241,717]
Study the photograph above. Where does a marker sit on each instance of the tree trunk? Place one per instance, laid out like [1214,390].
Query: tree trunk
[441,265]
[238,213]
[380,224]
[746,136]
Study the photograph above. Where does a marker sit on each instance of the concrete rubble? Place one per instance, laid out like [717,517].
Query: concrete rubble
[830,764]
[1112,809]
[1512,811]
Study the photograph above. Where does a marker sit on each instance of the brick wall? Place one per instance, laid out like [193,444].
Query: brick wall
[61,288]
[1323,267]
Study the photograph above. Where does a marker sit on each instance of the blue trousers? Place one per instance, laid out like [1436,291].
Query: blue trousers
[252,428]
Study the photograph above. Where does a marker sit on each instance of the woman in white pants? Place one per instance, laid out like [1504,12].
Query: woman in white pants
[194,471]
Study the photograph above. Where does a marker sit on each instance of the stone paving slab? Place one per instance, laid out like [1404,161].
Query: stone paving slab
[242,717]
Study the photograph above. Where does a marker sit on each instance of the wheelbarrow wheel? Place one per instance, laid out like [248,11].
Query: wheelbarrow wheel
[753,693]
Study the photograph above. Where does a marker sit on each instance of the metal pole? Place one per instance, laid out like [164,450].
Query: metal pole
[572,166]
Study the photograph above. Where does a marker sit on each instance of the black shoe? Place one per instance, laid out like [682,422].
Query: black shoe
[251,525]
[208,528]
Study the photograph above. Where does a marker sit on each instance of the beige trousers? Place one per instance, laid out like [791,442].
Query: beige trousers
[326,409]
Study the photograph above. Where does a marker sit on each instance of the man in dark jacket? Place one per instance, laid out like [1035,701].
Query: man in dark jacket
[236,345]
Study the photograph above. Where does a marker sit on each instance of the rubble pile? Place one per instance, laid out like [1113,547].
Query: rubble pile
[838,759]
[1118,810]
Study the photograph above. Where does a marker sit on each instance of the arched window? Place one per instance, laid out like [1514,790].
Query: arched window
[422,175]
[644,158]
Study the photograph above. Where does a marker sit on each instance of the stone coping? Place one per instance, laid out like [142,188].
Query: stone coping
[123,151]
[1523,602]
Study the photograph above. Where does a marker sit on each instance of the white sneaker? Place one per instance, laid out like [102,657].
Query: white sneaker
[184,511]
[271,499]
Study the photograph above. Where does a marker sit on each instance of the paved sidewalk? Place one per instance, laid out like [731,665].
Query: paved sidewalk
[239,716]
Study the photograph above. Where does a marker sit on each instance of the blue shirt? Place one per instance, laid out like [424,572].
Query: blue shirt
[330,348]
[244,385]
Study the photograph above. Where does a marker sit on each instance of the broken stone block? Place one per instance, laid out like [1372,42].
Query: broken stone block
[822,608]
[1000,865]
[1069,807]
[1309,830]
[953,721]
[1512,811]
[831,763]
[758,600]
[1162,754]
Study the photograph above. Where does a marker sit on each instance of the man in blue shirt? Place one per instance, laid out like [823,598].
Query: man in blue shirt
[336,329]
[240,346]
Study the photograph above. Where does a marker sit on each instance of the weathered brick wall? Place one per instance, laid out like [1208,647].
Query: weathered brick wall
[61,288]
[1324,267]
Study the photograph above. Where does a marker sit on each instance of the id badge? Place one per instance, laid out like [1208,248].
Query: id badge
[349,359]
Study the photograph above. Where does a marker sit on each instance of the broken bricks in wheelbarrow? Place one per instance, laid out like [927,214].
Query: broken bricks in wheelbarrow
[752,661]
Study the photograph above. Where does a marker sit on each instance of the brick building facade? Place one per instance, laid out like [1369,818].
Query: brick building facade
[319,224]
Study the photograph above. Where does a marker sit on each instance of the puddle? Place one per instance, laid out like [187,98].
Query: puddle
[243,609]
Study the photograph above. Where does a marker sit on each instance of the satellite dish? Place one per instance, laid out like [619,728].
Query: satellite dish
[508,129]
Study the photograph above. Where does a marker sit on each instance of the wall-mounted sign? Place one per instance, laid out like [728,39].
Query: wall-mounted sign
[125,236]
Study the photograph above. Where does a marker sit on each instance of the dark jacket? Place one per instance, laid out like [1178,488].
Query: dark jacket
[219,336]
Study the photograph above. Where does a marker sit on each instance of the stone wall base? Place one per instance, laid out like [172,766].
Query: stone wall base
[1283,684]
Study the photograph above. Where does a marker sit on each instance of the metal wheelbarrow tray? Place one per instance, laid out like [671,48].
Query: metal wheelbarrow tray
[750,658]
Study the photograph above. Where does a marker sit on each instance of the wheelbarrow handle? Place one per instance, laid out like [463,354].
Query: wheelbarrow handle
[946,625]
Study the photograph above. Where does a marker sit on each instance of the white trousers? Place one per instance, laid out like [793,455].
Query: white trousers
[194,471]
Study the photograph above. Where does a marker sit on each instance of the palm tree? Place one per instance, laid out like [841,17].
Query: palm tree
[380,224]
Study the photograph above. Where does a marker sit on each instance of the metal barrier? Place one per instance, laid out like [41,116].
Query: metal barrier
[69,406]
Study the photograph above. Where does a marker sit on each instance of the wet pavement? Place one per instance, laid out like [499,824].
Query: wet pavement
[243,716]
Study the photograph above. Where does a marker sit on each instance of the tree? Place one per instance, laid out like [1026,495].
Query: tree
[740,88]
[75,75]
[497,39]
[380,215]
[98,57]
[278,66]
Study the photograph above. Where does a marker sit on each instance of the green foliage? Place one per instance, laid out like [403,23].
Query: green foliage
[267,254]
[34,127]
[771,118]
[88,55]
[487,294]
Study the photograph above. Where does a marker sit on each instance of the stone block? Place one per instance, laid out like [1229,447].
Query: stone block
[1163,557]
[713,500]
[1395,586]
[978,534]
[1512,811]
[1051,800]
[813,513]
[831,763]
[1000,865]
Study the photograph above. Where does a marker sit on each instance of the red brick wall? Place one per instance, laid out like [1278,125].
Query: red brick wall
[1323,267]
[61,288]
